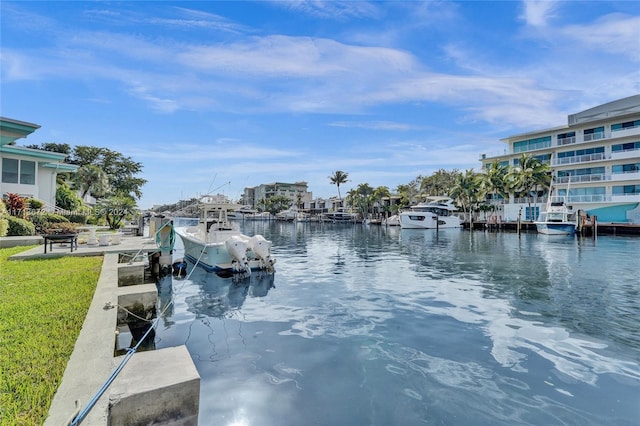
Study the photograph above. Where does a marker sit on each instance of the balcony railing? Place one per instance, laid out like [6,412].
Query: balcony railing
[566,141]
[580,159]
[596,177]
[589,198]
[593,136]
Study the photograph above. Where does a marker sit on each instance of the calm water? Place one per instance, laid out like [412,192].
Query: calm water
[381,326]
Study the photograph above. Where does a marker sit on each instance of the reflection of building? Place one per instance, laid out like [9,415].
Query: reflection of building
[296,192]
[595,157]
[28,172]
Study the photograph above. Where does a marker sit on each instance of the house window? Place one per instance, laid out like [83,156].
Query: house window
[9,170]
[27,172]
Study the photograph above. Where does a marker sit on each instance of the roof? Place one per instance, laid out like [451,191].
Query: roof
[11,129]
[621,107]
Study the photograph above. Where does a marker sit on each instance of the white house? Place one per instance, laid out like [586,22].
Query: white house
[28,172]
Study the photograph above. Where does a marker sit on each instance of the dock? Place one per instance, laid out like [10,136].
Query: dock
[602,228]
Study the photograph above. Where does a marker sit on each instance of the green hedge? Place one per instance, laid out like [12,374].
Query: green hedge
[20,227]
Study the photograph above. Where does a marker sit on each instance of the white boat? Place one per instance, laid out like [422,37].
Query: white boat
[393,220]
[216,243]
[288,215]
[558,218]
[339,217]
[435,212]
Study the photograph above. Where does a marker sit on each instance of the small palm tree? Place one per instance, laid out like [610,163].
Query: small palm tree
[529,175]
[92,179]
[495,183]
[467,192]
[339,177]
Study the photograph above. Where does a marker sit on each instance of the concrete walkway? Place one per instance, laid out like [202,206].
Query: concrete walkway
[127,245]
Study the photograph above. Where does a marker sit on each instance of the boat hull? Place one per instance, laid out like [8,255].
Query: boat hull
[419,220]
[556,228]
[210,257]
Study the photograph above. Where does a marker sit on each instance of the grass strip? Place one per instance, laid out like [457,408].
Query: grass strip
[43,303]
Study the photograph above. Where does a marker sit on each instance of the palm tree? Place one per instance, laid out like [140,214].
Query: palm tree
[378,194]
[528,176]
[467,192]
[495,183]
[92,179]
[339,177]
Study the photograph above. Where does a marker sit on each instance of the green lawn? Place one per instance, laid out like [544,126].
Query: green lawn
[43,304]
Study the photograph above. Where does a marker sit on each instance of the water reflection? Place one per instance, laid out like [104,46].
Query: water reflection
[382,326]
[220,297]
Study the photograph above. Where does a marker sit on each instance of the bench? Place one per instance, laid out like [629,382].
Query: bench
[72,239]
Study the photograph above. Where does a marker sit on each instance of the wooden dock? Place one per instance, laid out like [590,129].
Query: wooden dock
[586,230]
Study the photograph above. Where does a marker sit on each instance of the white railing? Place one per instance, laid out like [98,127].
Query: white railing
[579,159]
[566,141]
[596,177]
[588,198]
[593,136]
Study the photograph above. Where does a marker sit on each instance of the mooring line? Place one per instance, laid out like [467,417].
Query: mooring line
[92,402]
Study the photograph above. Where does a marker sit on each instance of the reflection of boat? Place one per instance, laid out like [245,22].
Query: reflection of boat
[557,219]
[435,212]
[216,243]
[219,297]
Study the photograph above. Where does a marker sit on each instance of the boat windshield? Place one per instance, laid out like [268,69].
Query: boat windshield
[431,209]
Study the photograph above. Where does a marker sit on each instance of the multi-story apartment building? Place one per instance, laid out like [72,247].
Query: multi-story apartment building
[297,192]
[594,159]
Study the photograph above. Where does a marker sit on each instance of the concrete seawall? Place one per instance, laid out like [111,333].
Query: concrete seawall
[154,387]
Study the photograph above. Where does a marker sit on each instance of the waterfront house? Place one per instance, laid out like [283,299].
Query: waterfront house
[28,172]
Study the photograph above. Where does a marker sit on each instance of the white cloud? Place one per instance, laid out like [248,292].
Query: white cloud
[537,13]
[614,33]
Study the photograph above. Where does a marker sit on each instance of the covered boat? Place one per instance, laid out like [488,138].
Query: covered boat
[216,243]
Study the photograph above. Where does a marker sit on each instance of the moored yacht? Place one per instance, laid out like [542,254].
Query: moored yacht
[435,212]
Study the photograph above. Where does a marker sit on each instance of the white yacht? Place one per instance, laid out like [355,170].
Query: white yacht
[435,212]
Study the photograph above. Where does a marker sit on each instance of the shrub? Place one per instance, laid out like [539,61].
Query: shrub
[77,218]
[35,204]
[20,227]
[41,221]
[15,205]
[61,228]
[4,222]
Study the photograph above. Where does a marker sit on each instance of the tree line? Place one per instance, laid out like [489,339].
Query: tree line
[471,191]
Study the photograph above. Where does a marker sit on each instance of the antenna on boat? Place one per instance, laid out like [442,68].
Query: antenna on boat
[211,184]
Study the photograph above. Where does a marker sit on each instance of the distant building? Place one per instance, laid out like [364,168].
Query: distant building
[595,157]
[296,192]
[28,172]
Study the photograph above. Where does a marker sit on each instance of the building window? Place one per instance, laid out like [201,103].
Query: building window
[9,170]
[594,134]
[626,190]
[621,147]
[532,144]
[626,125]
[531,213]
[625,168]
[27,172]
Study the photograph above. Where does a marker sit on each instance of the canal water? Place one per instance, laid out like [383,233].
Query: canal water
[367,325]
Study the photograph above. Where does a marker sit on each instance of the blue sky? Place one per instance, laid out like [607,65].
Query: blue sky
[218,96]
